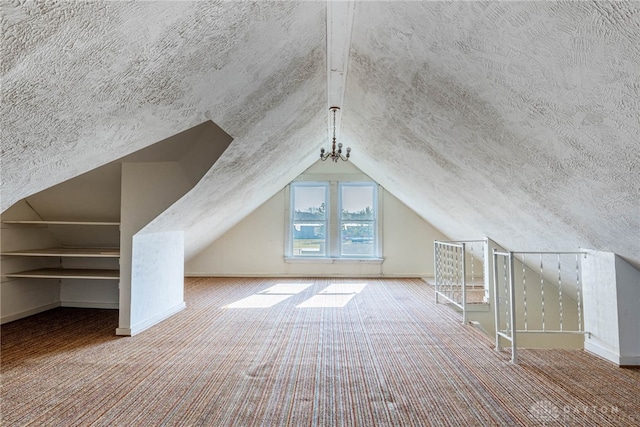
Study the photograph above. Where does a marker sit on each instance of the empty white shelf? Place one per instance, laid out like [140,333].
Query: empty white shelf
[69,252]
[68,273]
[42,222]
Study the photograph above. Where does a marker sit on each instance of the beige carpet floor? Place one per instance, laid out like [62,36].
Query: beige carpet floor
[298,352]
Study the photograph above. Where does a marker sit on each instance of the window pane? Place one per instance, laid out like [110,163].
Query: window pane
[357,202]
[309,239]
[357,238]
[309,202]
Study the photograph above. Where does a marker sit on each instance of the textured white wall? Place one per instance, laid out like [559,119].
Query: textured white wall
[147,190]
[89,293]
[611,301]
[157,278]
[628,281]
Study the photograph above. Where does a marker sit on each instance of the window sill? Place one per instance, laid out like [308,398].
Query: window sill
[324,260]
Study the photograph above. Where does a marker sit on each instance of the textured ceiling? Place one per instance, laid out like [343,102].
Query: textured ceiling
[515,120]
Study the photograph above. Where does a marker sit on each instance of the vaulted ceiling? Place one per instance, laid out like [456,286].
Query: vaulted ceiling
[515,120]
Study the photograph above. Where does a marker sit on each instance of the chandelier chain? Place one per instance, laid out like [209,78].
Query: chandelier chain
[334,126]
[334,154]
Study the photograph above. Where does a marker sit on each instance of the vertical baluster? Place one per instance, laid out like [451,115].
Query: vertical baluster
[445,270]
[452,273]
[448,267]
[447,261]
[460,273]
[440,268]
[443,273]
[560,289]
[473,276]
[441,255]
[542,289]
[456,276]
[524,289]
[454,257]
[464,285]
[435,269]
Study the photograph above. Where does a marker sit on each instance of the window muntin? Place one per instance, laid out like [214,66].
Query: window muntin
[309,219]
[357,219]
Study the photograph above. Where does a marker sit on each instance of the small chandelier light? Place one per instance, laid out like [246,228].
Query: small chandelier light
[334,154]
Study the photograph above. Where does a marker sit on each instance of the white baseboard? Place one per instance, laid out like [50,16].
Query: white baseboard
[154,320]
[89,304]
[479,327]
[286,275]
[600,351]
[629,361]
[16,316]
[620,360]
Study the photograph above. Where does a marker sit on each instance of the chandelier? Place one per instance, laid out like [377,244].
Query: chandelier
[334,154]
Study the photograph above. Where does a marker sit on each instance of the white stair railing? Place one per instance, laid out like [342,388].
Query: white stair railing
[454,263]
[544,276]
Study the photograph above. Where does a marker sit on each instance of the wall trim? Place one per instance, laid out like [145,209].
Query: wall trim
[610,356]
[629,361]
[89,304]
[141,326]
[16,316]
[287,275]
[601,352]
[328,260]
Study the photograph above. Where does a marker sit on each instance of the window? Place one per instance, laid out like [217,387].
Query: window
[309,202]
[333,220]
[358,211]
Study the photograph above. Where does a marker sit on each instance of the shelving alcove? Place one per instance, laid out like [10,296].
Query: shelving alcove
[84,258]
[67,252]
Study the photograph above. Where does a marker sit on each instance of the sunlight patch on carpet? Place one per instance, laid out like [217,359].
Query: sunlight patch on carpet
[258,301]
[343,288]
[330,300]
[270,296]
[286,288]
[334,295]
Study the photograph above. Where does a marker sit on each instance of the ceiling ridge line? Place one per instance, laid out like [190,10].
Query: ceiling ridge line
[340,17]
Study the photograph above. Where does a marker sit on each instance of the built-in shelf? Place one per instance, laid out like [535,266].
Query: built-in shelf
[69,252]
[62,273]
[42,222]
[98,250]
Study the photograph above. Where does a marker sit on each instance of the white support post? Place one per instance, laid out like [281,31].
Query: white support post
[496,296]
[512,302]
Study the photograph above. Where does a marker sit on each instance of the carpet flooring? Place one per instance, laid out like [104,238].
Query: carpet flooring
[298,352]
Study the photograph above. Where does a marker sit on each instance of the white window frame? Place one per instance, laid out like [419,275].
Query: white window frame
[375,207]
[327,220]
[332,232]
